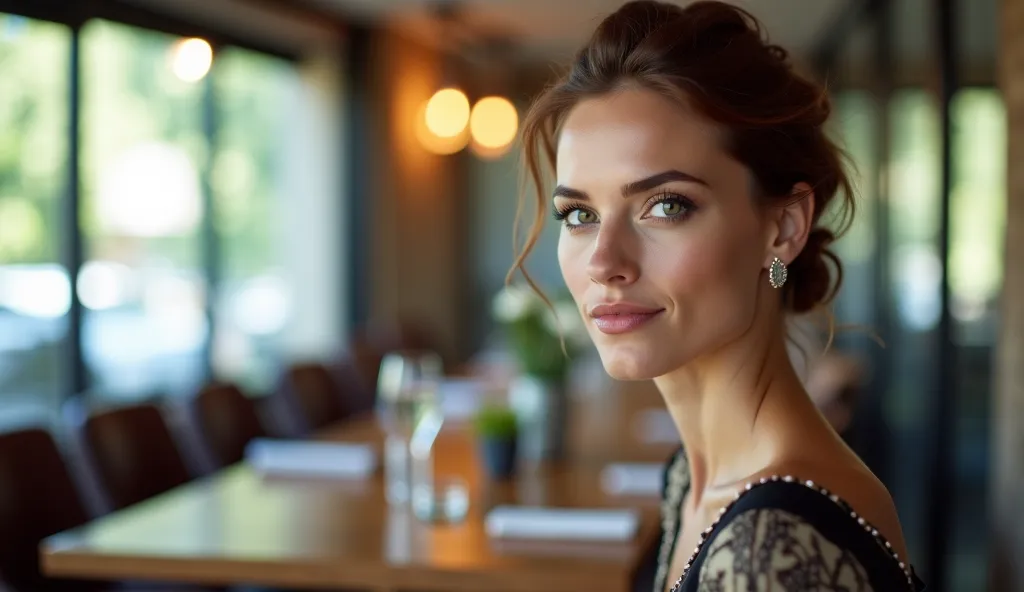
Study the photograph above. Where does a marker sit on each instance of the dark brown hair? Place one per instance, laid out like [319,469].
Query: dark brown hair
[715,57]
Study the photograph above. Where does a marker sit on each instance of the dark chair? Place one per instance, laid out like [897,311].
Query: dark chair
[362,367]
[357,396]
[314,395]
[134,454]
[37,499]
[227,420]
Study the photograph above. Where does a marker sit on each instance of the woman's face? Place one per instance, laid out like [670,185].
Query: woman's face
[662,244]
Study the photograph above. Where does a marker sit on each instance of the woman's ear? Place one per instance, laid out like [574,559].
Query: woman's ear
[792,225]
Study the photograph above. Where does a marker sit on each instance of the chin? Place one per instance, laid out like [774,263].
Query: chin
[631,363]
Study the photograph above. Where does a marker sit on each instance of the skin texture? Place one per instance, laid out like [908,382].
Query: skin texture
[704,267]
[695,252]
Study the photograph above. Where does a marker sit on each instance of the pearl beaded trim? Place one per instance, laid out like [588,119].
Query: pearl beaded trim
[678,478]
[704,535]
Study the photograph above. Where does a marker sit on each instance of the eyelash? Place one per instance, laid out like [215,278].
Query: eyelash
[562,213]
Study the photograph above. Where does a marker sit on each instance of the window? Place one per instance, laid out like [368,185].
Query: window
[856,125]
[191,170]
[915,207]
[978,216]
[142,286]
[34,286]
[253,304]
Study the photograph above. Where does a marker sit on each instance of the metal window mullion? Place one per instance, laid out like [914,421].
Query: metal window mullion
[942,431]
[73,251]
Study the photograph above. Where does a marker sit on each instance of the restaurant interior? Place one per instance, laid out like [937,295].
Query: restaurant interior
[299,215]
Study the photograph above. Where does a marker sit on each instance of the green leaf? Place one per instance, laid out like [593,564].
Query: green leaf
[496,422]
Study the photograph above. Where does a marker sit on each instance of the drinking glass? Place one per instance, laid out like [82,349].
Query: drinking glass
[406,390]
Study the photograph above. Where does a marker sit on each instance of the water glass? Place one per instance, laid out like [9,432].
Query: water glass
[445,501]
[406,389]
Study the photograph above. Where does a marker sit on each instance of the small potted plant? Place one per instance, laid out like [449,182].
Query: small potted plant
[543,337]
[498,435]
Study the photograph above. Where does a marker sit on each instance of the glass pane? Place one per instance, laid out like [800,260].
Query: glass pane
[914,176]
[976,258]
[856,126]
[916,276]
[142,287]
[978,217]
[253,304]
[35,292]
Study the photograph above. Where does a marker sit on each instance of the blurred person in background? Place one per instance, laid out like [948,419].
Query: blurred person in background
[692,169]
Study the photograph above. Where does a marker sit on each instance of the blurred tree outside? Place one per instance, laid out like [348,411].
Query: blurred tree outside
[131,98]
[249,199]
[33,145]
[142,130]
[246,169]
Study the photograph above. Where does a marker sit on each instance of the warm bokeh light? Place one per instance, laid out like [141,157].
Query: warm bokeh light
[191,59]
[493,124]
[434,143]
[447,113]
[485,153]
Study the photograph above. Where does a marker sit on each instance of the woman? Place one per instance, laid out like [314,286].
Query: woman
[692,172]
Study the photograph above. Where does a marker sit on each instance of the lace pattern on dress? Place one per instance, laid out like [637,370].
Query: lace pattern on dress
[677,484]
[771,549]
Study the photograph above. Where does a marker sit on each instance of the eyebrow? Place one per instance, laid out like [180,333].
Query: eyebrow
[635,187]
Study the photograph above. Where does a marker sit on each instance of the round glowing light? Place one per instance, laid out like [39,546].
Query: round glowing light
[434,143]
[494,123]
[191,59]
[447,113]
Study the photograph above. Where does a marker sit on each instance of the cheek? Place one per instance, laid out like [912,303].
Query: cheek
[572,260]
[710,272]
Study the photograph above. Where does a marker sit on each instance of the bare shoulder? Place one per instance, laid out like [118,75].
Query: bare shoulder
[866,493]
[847,477]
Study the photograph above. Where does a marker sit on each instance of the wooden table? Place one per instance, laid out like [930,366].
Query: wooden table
[238,527]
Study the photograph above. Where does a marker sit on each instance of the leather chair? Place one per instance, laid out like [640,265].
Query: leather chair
[37,499]
[134,454]
[227,421]
[314,395]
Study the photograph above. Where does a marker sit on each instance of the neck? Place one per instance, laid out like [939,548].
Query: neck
[731,408]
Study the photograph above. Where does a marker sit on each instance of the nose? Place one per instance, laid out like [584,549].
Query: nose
[612,262]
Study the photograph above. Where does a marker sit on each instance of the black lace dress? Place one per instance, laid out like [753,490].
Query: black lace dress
[779,534]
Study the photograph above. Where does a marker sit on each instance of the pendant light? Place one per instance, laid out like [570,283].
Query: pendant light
[494,120]
[447,123]
[442,122]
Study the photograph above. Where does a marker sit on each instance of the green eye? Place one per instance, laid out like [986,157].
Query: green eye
[578,217]
[573,217]
[667,209]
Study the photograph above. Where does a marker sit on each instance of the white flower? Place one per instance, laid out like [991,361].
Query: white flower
[567,321]
[561,318]
[513,303]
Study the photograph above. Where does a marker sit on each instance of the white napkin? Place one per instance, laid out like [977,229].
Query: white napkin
[566,524]
[632,479]
[461,397]
[655,426]
[311,459]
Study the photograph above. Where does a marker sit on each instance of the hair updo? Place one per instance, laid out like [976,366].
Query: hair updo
[715,57]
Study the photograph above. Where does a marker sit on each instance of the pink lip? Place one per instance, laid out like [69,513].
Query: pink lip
[622,317]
